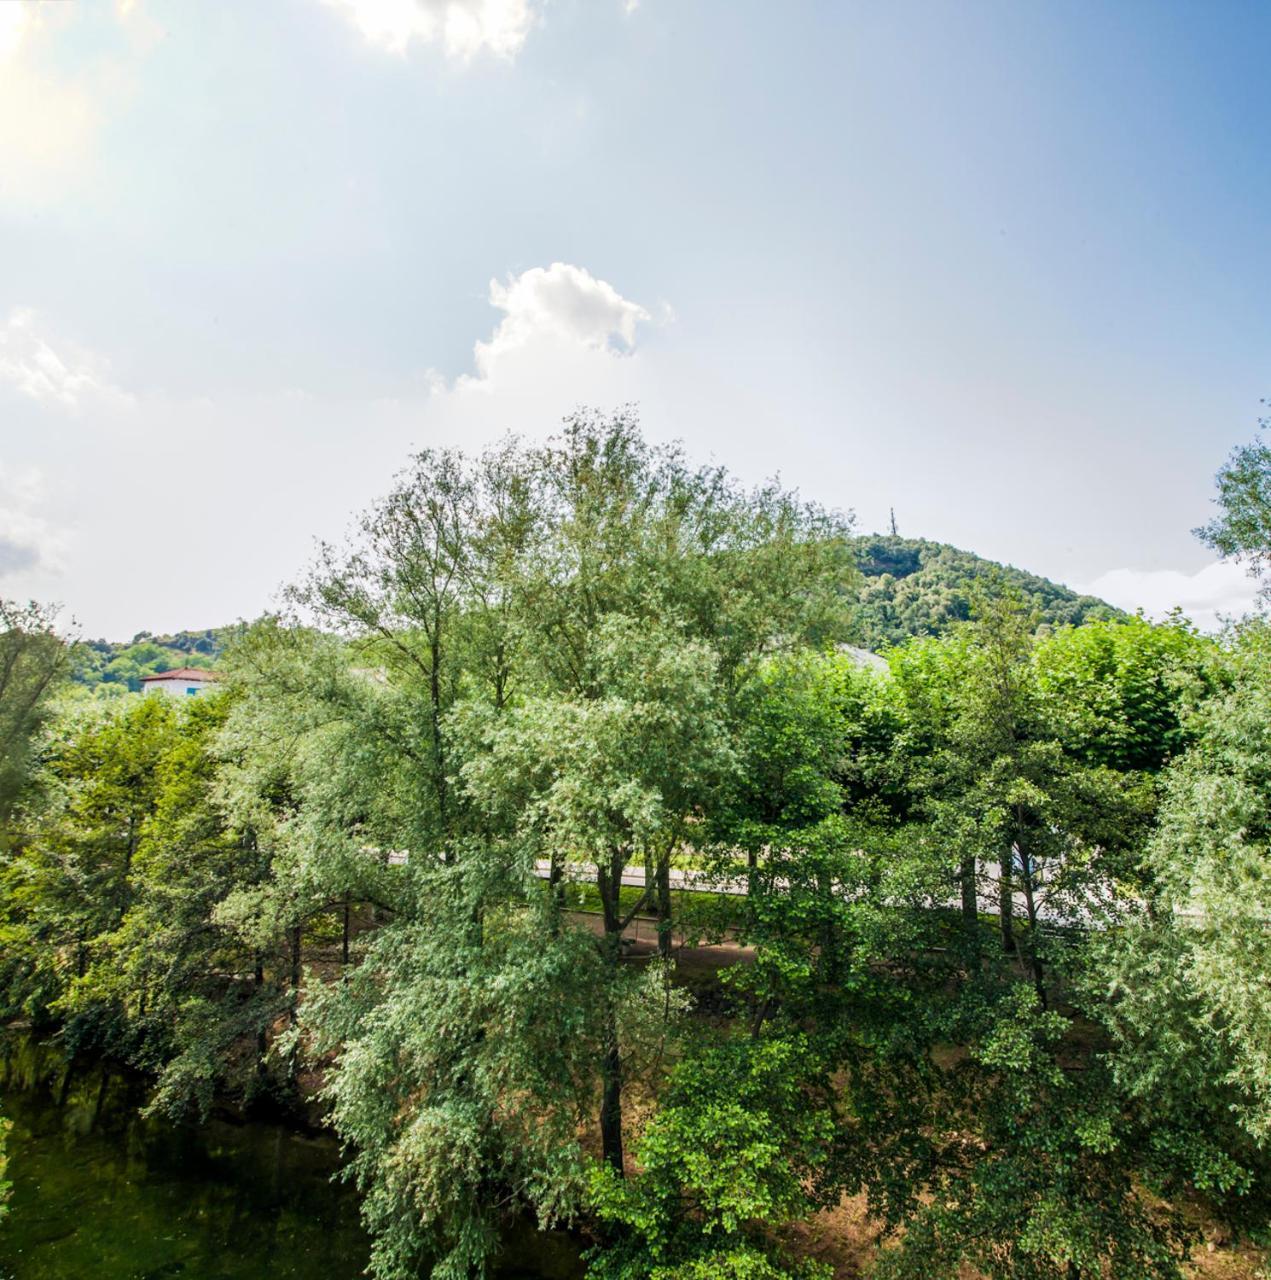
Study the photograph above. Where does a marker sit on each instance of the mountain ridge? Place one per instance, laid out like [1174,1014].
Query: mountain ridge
[914,586]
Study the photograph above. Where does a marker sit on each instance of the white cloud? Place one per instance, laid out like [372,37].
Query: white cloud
[563,305]
[31,365]
[463,28]
[1218,591]
[28,542]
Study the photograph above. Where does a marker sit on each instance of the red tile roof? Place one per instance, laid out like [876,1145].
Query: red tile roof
[181,673]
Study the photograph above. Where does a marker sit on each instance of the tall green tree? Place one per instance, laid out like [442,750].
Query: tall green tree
[1188,975]
[1242,527]
[34,659]
[196,1002]
[111,910]
[69,884]
[462,1055]
[653,598]
[1117,694]
[541,658]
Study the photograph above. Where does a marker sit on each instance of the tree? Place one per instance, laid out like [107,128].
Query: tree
[739,1148]
[1003,785]
[1188,977]
[791,745]
[34,658]
[1020,1166]
[653,597]
[540,654]
[69,884]
[1116,693]
[462,1057]
[1242,528]
[196,1001]
[111,917]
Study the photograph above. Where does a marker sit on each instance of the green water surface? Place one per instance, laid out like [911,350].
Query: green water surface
[102,1193]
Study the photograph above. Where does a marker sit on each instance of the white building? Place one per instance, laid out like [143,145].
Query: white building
[180,683]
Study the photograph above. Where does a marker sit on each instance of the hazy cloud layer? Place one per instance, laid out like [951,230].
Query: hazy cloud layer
[206,562]
[1209,596]
[298,466]
[463,28]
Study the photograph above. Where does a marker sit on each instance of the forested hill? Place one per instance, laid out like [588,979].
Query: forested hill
[122,664]
[913,587]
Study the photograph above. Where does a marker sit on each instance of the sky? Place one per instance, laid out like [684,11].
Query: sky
[1000,267]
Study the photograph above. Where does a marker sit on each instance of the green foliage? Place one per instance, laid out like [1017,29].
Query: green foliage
[1005,925]
[739,1147]
[1242,528]
[1188,978]
[912,587]
[1116,692]
[69,885]
[34,659]
[464,1051]
[1031,1166]
[545,651]
[791,745]
[984,1125]
[109,907]
[1004,778]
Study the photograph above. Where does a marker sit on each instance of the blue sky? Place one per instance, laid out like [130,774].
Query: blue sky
[1003,267]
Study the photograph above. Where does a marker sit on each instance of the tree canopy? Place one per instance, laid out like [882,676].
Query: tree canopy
[560,843]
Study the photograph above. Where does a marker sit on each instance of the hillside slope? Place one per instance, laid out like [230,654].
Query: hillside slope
[913,587]
[121,664]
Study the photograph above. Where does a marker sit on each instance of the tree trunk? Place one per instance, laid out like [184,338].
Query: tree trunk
[295,970]
[1006,902]
[970,909]
[611,1103]
[262,1040]
[344,941]
[556,890]
[609,884]
[664,906]
[1030,905]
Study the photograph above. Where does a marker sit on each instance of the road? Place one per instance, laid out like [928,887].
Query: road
[689,881]
[699,882]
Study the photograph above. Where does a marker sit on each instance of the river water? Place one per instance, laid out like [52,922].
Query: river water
[101,1193]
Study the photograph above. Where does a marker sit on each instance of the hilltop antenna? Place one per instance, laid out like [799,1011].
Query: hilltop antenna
[895,533]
